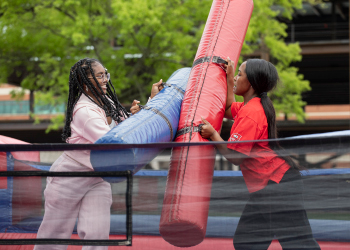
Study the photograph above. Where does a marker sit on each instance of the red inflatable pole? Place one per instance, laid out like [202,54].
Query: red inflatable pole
[186,201]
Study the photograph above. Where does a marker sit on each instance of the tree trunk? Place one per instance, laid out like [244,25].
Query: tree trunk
[31,103]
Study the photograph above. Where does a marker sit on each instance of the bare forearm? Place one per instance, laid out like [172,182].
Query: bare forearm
[230,80]
[230,96]
[231,155]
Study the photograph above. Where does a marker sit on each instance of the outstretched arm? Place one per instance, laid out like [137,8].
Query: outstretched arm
[208,132]
[230,83]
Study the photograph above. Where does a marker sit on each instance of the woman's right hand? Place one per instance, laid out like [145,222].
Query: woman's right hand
[207,130]
[135,107]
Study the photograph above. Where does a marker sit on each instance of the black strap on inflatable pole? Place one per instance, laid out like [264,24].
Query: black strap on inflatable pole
[174,86]
[161,115]
[186,130]
[52,241]
[214,59]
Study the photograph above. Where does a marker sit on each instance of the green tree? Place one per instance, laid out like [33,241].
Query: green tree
[266,35]
[139,41]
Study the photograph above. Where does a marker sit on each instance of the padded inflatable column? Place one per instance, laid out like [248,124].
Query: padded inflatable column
[156,122]
[186,202]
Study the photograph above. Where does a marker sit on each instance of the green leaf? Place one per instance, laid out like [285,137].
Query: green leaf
[138,41]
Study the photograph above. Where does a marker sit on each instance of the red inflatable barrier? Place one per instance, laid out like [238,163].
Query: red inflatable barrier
[25,200]
[186,202]
[147,242]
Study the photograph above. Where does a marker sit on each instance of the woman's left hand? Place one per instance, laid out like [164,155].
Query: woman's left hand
[207,129]
[156,88]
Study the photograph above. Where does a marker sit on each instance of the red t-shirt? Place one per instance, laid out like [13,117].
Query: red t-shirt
[263,164]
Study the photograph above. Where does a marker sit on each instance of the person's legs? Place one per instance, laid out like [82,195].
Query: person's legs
[63,196]
[297,235]
[289,218]
[253,231]
[61,211]
[94,214]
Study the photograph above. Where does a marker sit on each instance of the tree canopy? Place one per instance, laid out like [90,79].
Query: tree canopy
[138,41]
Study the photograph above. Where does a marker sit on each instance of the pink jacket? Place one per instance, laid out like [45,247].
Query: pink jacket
[88,125]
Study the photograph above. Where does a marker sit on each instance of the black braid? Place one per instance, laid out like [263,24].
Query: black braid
[78,77]
[112,95]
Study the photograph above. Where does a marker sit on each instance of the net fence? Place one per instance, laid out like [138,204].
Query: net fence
[137,209]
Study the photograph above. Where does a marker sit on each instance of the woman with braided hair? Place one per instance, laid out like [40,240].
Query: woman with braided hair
[93,109]
[275,206]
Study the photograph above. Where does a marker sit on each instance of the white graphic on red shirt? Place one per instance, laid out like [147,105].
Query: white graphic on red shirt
[235,137]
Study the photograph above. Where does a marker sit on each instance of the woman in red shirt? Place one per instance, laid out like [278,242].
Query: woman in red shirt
[275,206]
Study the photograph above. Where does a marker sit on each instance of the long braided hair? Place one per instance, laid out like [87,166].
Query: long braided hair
[263,77]
[78,82]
